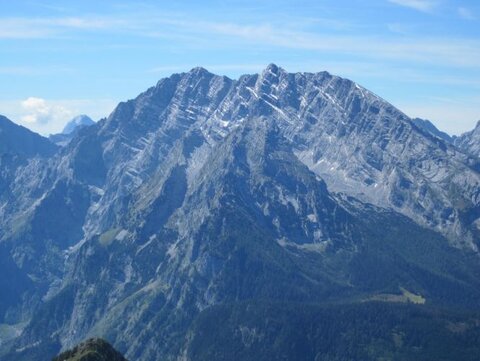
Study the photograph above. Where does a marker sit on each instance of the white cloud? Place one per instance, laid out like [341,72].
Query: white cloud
[420,5]
[50,116]
[40,112]
[466,13]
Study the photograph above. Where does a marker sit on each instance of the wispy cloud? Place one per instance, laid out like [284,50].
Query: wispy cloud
[194,33]
[399,28]
[48,27]
[387,72]
[453,52]
[465,13]
[420,5]
[459,52]
[34,70]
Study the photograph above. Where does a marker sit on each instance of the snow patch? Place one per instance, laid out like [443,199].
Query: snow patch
[146,244]
[312,218]
[318,247]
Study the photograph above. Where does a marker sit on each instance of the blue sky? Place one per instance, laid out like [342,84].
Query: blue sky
[62,58]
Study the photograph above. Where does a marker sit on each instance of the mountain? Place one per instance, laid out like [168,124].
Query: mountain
[71,129]
[91,350]
[18,140]
[76,123]
[205,196]
[18,147]
[470,141]
[432,129]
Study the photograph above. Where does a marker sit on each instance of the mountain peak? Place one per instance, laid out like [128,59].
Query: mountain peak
[273,69]
[199,70]
[92,349]
[81,120]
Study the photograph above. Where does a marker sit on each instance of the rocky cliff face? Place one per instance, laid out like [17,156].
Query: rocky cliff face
[470,141]
[205,190]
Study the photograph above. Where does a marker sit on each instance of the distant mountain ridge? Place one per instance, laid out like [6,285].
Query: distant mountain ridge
[15,139]
[205,193]
[470,141]
[71,129]
[432,129]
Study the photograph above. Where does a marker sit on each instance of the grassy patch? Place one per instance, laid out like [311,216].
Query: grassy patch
[9,332]
[412,297]
[405,297]
[108,237]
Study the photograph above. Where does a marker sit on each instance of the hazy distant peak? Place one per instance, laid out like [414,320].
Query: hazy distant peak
[470,141]
[79,121]
[429,127]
